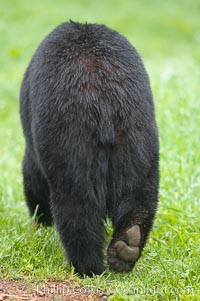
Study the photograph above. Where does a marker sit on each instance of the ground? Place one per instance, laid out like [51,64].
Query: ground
[167,35]
[58,290]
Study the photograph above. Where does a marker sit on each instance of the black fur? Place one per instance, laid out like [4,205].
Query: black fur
[91,142]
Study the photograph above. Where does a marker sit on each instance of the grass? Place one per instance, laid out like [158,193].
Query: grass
[167,34]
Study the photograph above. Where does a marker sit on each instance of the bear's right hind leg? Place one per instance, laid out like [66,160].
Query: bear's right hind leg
[133,220]
[36,191]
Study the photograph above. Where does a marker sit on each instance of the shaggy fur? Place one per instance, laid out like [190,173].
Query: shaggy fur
[91,144]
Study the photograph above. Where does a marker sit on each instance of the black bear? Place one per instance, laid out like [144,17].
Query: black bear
[92,145]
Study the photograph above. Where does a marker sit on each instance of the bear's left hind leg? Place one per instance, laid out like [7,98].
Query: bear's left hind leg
[80,225]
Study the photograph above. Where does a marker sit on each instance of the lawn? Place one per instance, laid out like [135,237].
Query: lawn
[167,35]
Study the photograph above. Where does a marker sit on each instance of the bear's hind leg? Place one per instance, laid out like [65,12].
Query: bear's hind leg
[132,224]
[36,191]
[80,225]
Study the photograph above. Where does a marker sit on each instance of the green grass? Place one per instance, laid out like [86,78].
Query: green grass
[167,34]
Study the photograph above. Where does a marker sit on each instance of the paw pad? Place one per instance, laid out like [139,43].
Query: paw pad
[129,252]
[126,253]
[134,236]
